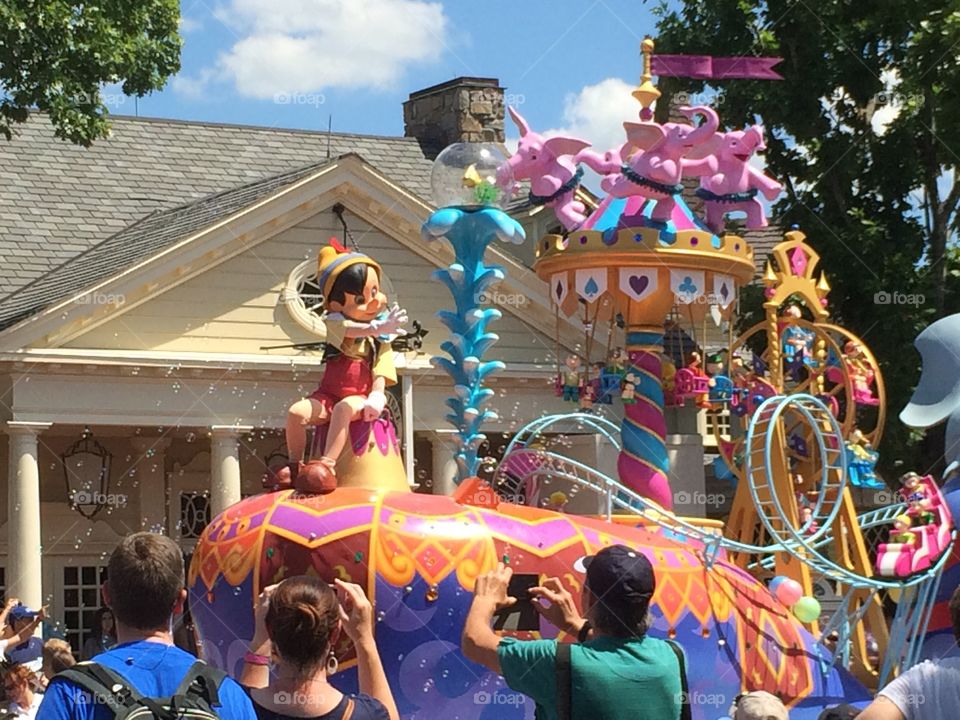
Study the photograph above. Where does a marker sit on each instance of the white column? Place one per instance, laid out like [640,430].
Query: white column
[153,482]
[406,386]
[23,572]
[444,466]
[225,466]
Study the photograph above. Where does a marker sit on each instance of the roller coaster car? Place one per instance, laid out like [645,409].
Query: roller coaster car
[931,542]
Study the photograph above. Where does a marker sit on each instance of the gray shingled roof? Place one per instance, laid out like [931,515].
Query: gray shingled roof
[149,236]
[58,200]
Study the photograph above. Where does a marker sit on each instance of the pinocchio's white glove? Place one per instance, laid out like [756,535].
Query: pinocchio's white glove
[374,404]
[391,323]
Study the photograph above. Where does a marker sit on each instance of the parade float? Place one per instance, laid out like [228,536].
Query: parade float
[738,597]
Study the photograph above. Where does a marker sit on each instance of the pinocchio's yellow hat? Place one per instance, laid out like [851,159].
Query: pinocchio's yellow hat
[333,260]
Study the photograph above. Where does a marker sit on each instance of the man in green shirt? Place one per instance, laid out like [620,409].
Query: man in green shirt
[616,671]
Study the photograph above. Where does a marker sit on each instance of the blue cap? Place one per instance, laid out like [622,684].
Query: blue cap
[618,574]
[21,612]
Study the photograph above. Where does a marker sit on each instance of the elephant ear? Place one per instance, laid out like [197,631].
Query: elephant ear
[564,145]
[705,149]
[643,135]
[519,120]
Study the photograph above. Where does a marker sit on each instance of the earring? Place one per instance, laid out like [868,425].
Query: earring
[332,664]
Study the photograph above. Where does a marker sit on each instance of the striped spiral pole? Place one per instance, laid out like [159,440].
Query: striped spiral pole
[643,462]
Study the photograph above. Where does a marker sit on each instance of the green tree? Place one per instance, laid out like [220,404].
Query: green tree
[55,56]
[879,201]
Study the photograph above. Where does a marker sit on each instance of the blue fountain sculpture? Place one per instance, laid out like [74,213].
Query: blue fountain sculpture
[469,230]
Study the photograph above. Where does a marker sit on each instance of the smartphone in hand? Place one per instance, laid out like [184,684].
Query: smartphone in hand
[521,615]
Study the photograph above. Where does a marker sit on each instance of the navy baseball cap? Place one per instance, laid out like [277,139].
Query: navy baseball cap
[840,712]
[617,574]
[20,612]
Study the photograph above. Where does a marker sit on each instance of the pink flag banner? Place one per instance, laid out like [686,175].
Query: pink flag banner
[705,67]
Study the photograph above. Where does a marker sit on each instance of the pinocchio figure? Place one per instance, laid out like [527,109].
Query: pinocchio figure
[359,365]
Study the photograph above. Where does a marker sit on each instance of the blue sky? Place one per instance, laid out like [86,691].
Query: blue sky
[294,63]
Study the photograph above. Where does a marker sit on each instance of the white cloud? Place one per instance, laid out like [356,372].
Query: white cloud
[303,46]
[189,24]
[597,112]
[194,88]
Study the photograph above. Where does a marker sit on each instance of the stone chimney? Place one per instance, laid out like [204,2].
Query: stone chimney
[465,109]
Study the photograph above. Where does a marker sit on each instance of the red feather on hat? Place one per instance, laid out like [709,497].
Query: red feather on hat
[337,245]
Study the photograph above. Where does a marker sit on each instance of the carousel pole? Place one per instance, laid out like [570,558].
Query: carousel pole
[643,463]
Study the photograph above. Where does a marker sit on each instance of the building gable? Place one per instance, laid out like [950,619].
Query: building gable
[216,292]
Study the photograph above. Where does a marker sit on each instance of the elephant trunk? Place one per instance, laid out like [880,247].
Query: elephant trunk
[753,138]
[706,129]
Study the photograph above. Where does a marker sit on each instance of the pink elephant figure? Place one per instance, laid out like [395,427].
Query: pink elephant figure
[608,163]
[730,183]
[549,165]
[670,152]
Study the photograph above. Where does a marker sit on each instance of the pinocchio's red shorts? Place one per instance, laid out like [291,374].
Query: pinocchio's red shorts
[342,378]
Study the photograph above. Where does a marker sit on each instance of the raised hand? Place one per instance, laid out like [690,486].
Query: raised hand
[562,611]
[492,587]
[356,612]
[392,323]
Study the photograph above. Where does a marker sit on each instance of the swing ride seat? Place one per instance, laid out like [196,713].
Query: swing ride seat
[722,389]
[610,381]
[687,384]
[933,540]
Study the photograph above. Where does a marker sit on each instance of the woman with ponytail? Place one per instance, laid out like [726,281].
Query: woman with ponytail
[298,623]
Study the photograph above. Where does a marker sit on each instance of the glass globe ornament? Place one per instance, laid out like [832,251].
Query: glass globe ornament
[472,175]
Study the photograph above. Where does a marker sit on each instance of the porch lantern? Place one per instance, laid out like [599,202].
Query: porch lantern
[86,470]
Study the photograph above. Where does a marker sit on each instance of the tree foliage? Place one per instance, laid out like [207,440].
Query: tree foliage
[878,201]
[55,56]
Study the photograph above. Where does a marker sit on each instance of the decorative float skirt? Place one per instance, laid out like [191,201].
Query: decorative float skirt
[418,556]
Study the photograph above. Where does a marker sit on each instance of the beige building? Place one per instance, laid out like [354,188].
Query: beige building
[143,279]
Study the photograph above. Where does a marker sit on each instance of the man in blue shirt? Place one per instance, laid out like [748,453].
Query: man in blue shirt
[144,590]
[21,621]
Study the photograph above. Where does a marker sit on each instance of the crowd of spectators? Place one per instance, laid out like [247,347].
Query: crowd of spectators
[142,651]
